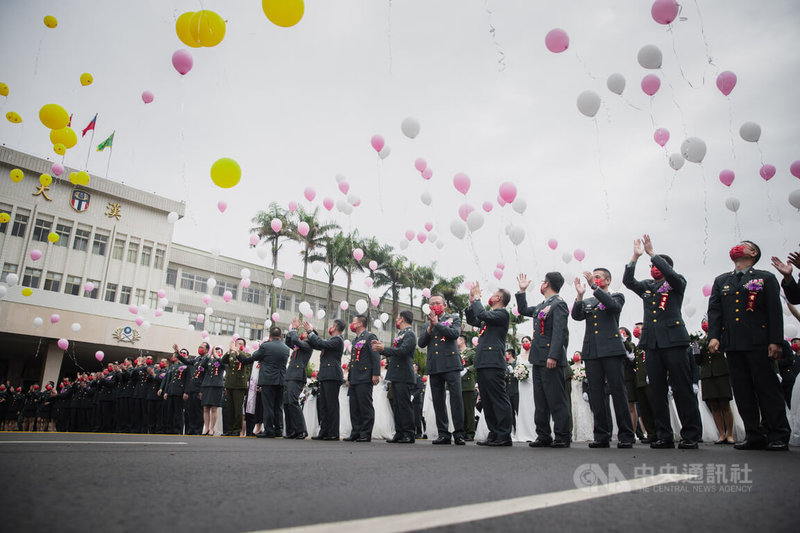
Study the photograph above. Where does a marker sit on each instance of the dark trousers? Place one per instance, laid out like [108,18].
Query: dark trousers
[514,399]
[153,415]
[328,408]
[453,381]
[609,370]
[403,410]
[644,406]
[139,415]
[550,399]
[107,416]
[194,414]
[272,400]
[758,396]
[175,414]
[235,403]
[124,414]
[468,400]
[362,413]
[419,421]
[675,362]
[496,405]
[786,386]
[295,422]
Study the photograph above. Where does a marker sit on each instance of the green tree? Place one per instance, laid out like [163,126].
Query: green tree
[263,228]
[338,252]
[417,277]
[312,242]
[388,273]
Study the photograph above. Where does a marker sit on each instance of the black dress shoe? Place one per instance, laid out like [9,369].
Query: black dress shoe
[662,444]
[290,436]
[458,441]
[265,435]
[599,444]
[469,439]
[624,445]
[498,443]
[330,438]
[418,436]
[687,444]
[393,439]
[483,442]
[559,444]
[405,440]
[777,446]
[301,436]
[363,439]
[540,443]
[442,440]
[350,439]
[646,440]
[748,444]
[317,437]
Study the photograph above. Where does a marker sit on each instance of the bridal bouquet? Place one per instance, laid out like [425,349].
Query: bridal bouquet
[521,371]
[579,373]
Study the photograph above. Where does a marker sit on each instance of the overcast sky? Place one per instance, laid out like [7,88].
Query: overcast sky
[297,106]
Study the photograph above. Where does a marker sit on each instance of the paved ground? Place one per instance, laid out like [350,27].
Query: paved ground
[102,482]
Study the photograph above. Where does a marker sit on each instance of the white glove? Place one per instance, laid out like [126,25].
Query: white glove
[669,391]
[695,388]
[463,372]
[647,379]
[585,396]
[780,378]
[630,356]
[412,397]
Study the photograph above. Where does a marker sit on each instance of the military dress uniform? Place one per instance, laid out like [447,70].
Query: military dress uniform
[644,396]
[174,386]
[443,366]
[330,377]
[468,392]
[490,364]
[193,408]
[791,288]
[400,372]
[550,336]
[273,356]
[236,377]
[665,340]
[364,365]
[745,321]
[295,383]
[418,391]
[714,373]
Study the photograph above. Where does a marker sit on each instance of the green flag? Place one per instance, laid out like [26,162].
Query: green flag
[106,144]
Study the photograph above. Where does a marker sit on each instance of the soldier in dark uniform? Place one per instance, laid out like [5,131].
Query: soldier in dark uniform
[512,385]
[364,371]
[665,339]
[5,402]
[139,377]
[63,398]
[106,393]
[418,392]
[155,402]
[745,322]
[296,378]
[125,386]
[468,387]
[550,336]
[400,372]
[193,405]
[173,388]
[604,355]
[644,397]
[330,377]
[236,378]
[444,368]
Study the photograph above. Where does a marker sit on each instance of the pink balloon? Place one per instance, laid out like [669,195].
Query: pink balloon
[99,355]
[204,334]
[343,306]
[292,206]
[245,282]
[287,276]
[420,164]
[500,201]
[726,81]
[661,136]
[207,299]
[57,169]
[377,142]
[159,312]
[373,265]
[427,173]
[162,293]
[498,274]
[428,226]
[303,228]
[222,205]
[182,61]
[36,255]
[468,285]
[767,171]
[139,321]
[88,286]
[650,84]
[556,40]
[706,290]
[487,206]
[368,282]
[426,293]
[132,309]
[276,225]
[579,254]
[226,296]
[409,234]
[344,187]
[508,192]
[310,193]
[464,211]
[794,168]
[421,237]
[54,318]
[501,266]
[63,344]
[664,11]
[327,203]
[254,239]
[461,183]
[147,97]
[553,244]
[726,177]
[358,254]
[375,301]
[275,317]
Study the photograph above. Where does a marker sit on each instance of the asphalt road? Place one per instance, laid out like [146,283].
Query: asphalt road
[103,482]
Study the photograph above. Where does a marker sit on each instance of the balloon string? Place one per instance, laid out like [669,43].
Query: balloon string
[709,60]
[585,66]
[736,229]
[705,215]
[730,126]
[677,105]
[501,62]
[529,237]
[380,196]
[186,187]
[471,246]
[630,104]
[602,174]
[36,61]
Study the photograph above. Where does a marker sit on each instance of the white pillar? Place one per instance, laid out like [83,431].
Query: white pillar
[52,363]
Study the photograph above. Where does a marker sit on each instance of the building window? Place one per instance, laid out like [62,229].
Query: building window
[147,252]
[201,284]
[282,302]
[251,330]
[168,309]
[95,293]
[81,241]
[187,281]
[111,292]
[141,294]
[118,250]
[172,276]
[73,285]
[99,244]
[133,251]
[8,268]
[52,281]
[153,300]
[251,295]
[32,277]
[223,286]
[64,231]
[217,325]
[20,225]
[41,229]
[125,295]
[159,258]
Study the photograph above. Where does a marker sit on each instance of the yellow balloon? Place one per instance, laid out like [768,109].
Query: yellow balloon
[182,29]
[50,21]
[13,117]
[16,175]
[54,116]
[207,28]
[225,173]
[59,148]
[65,136]
[73,178]
[284,13]
[46,179]
[3,89]
[83,178]
[86,79]
[53,237]
[4,218]
[27,291]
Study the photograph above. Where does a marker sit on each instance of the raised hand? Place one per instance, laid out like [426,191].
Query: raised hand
[794,258]
[638,249]
[783,268]
[295,323]
[589,277]
[579,288]
[524,282]
[648,245]
[307,326]
[377,346]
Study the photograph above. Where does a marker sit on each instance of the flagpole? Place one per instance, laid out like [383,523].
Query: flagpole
[110,153]
[91,143]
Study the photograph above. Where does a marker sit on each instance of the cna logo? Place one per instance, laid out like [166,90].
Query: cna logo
[593,476]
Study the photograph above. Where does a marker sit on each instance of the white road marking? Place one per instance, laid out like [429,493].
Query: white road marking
[481,511]
[83,442]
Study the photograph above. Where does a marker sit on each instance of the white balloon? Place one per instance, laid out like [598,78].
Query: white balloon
[162,302]
[146,325]
[75,327]
[38,321]
[277,283]
[516,234]
[383,154]
[320,314]
[475,220]
[340,178]
[426,309]
[410,127]
[304,307]
[143,309]
[316,266]
[616,83]
[439,245]
[519,205]
[790,330]
[650,57]
[361,306]
[689,310]
[190,328]
[342,206]
[458,228]
[3,291]
[588,103]
[794,198]
[403,244]
[245,272]
[209,311]
[377,324]
[693,149]
[432,236]
[211,283]
[566,257]
[750,132]
[352,199]
[172,217]
[426,198]
[267,323]
[676,161]
[732,204]
[11,279]
[384,317]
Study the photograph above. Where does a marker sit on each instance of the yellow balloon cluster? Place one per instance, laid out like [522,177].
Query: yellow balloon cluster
[65,136]
[50,21]
[4,218]
[86,79]
[59,148]
[13,117]
[3,89]
[16,175]
[54,116]
[46,179]
[79,178]
[200,28]
[53,237]
[283,13]
[225,173]
[27,291]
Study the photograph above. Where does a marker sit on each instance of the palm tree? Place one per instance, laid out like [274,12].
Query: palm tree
[312,241]
[263,229]
[338,252]
[386,271]
[390,274]
[449,289]
[349,264]
[416,276]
